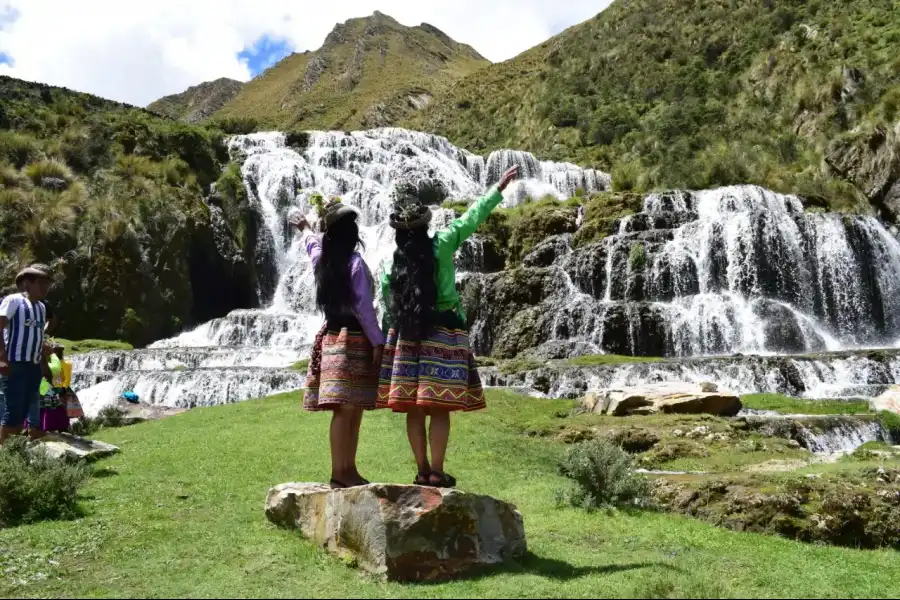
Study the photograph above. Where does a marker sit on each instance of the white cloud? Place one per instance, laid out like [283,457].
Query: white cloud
[137,52]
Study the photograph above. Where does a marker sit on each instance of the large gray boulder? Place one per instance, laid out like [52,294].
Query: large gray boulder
[665,397]
[403,532]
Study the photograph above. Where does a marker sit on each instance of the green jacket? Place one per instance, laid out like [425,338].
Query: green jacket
[446,243]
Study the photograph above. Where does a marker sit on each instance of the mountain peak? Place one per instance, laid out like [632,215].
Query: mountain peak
[198,102]
[370,72]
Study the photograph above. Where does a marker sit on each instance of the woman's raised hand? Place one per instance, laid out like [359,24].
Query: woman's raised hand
[298,221]
[511,173]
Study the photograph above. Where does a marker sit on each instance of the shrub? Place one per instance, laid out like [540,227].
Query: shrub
[637,258]
[11,178]
[49,170]
[629,176]
[236,125]
[111,416]
[35,486]
[891,422]
[602,476]
[17,149]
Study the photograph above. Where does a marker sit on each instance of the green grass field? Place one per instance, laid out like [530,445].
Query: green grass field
[799,406]
[82,346]
[180,513]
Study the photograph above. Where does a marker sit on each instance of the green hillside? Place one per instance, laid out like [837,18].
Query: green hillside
[112,198]
[800,96]
[197,102]
[370,72]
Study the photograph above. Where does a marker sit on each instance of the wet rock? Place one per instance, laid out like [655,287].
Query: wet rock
[405,533]
[549,251]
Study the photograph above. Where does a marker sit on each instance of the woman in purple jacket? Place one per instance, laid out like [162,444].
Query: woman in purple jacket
[346,355]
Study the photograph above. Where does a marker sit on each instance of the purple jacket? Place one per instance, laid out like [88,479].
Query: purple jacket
[363,289]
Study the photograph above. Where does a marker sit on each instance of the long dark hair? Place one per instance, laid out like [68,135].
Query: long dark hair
[334,294]
[413,287]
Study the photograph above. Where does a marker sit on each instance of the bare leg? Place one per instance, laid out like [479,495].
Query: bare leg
[439,436]
[355,424]
[415,431]
[341,443]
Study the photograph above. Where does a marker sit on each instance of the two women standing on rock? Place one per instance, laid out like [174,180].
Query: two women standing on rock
[425,367]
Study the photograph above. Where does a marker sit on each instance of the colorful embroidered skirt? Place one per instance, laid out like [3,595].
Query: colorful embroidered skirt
[340,371]
[438,372]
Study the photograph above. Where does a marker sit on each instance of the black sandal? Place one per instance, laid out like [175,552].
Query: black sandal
[423,479]
[444,480]
[338,485]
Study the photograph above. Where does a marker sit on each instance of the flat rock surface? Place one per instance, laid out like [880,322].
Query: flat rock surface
[65,445]
[403,532]
[666,397]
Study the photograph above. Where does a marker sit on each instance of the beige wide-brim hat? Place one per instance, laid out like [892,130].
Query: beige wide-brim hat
[38,270]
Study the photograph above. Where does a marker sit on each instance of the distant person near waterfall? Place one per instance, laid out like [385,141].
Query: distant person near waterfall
[343,369]
[428,368]
[59,404]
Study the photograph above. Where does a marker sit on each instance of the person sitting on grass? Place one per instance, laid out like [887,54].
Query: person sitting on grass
[22,319]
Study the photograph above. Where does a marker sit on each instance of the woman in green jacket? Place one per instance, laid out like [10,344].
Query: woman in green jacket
[427,368]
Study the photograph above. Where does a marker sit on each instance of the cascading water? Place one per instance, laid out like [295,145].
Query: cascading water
[245,353]
[717,272]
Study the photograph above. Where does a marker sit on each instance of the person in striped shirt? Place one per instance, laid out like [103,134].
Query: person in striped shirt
[22,319]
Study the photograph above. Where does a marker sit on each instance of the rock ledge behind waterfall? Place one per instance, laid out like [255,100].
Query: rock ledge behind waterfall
[403,532]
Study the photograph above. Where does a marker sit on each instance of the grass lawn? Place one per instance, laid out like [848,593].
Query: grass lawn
[799,406]
[81,346]
[180,513]
[596,360]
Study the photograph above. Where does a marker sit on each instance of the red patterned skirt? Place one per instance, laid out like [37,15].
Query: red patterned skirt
[437,372]
[340,371]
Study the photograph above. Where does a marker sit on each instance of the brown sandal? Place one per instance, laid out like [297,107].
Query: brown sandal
[443,480]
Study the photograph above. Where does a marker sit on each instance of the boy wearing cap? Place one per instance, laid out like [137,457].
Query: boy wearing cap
[22,319]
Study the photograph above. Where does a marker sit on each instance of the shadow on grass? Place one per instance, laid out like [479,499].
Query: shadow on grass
[551,568]
[103,473]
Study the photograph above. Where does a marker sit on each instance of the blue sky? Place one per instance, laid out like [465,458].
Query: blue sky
[264,52]
[5,59]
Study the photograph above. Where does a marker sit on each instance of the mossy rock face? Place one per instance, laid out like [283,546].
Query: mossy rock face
[603,212]
[634,439]
[508,305]
[672,450]
[844,512]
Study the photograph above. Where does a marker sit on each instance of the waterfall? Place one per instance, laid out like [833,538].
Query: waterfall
[738,269]
[245,354]
[832,375]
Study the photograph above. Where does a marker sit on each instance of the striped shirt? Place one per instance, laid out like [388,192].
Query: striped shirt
[24,334]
